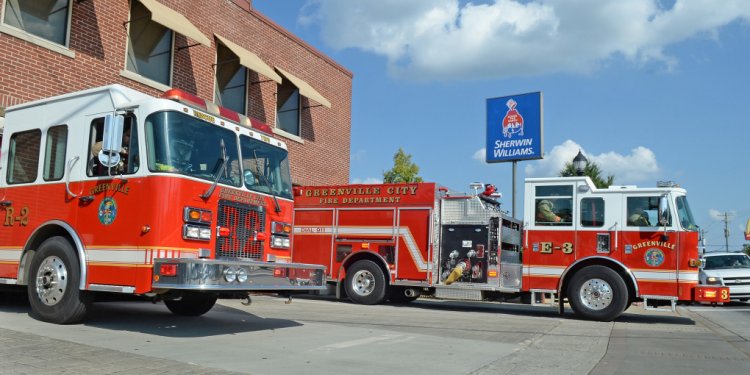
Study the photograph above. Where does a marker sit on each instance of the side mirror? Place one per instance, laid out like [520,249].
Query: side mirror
[663,211]
[109,155]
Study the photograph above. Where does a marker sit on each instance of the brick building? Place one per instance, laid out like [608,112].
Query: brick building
[221,50]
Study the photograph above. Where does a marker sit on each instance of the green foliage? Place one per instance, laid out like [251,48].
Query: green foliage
[403,169]
[746,248]
[592,170]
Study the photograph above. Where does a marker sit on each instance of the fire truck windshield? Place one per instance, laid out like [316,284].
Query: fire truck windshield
[178,143]
[265,168]
[685,215]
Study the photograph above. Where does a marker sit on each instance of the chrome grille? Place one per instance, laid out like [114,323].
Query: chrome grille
[243,221]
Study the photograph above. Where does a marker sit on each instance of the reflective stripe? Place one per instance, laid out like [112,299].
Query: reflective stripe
[403,232]
[10,254]
[543,270]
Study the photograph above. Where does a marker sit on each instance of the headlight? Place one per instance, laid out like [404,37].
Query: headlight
[196,232]
[230,274]
[712,280]
[281,242]
[241,275]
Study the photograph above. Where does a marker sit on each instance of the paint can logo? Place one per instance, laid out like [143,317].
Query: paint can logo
[513,121]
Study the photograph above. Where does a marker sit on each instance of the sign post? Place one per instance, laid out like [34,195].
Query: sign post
[515,131]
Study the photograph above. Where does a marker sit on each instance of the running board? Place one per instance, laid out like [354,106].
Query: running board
[544,297]
[672,301]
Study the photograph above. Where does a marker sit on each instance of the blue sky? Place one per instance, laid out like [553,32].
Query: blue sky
[649,90]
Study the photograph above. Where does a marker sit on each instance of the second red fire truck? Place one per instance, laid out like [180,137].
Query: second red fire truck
[598,249]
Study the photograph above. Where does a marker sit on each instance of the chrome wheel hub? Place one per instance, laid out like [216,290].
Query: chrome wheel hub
[596,294]
[51,280]
[363,282]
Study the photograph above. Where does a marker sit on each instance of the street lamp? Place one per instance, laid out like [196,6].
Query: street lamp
[579,163]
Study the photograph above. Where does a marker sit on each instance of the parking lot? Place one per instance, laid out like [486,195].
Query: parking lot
[318,335]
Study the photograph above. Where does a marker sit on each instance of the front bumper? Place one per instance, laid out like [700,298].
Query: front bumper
[711,294]
[211,275]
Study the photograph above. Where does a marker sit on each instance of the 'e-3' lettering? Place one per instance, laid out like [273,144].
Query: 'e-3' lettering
[546,248]
[22,219]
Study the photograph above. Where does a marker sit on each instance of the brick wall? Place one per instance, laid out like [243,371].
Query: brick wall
[99,40]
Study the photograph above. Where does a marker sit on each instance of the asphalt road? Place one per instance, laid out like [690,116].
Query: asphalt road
[315,335]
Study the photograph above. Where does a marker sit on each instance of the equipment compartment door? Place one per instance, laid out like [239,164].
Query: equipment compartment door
[313,237]
[464,247]
[414,245]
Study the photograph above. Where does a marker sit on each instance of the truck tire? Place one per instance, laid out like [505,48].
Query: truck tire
[191,304]
[365,283]
[399,294]
[54,277]
[597,293]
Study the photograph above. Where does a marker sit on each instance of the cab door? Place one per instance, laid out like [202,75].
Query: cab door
[551,242]
[650,249]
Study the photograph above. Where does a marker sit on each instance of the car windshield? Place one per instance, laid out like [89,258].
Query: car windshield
[265,168]
[182,144]
[727,262]
[685,215]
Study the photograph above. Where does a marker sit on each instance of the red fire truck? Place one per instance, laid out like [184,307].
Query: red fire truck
[599,249]
[113,190]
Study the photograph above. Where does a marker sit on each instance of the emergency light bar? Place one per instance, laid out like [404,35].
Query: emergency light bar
[216,110]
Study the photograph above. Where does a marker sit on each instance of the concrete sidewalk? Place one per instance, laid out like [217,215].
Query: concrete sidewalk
[23,353]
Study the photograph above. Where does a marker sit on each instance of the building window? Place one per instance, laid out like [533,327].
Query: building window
[46,19]
[231,80]
[149,46]
[288,108]
[54,154]
[592,212]
[23,160]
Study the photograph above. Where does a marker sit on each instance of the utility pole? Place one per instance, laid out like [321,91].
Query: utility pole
[726,231]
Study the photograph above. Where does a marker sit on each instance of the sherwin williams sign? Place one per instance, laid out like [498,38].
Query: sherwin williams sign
[514,128]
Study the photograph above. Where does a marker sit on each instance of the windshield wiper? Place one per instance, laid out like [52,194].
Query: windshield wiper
[268,184]
[222,170]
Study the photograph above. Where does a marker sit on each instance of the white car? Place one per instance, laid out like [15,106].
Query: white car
[728,269]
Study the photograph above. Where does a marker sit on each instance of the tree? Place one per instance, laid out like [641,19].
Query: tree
[592,170]
[403,169]
[746,248]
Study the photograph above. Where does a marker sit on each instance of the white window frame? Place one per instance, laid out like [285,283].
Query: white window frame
[39,41]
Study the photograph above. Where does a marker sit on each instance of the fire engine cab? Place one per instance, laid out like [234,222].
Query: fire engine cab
[598,249]
[113,190]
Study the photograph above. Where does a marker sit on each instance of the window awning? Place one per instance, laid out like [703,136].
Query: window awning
[250,60]
[170,19]
[305,89]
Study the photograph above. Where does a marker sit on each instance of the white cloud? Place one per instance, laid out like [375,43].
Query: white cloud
[640,165]
[367,180]
[480,155]
[435,39]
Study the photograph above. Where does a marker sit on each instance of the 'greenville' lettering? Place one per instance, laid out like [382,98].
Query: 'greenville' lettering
[241,196]
[643,244]
[369,190]
[118,187]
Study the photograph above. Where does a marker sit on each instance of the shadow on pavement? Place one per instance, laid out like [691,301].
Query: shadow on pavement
[633,315]
[155,319]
